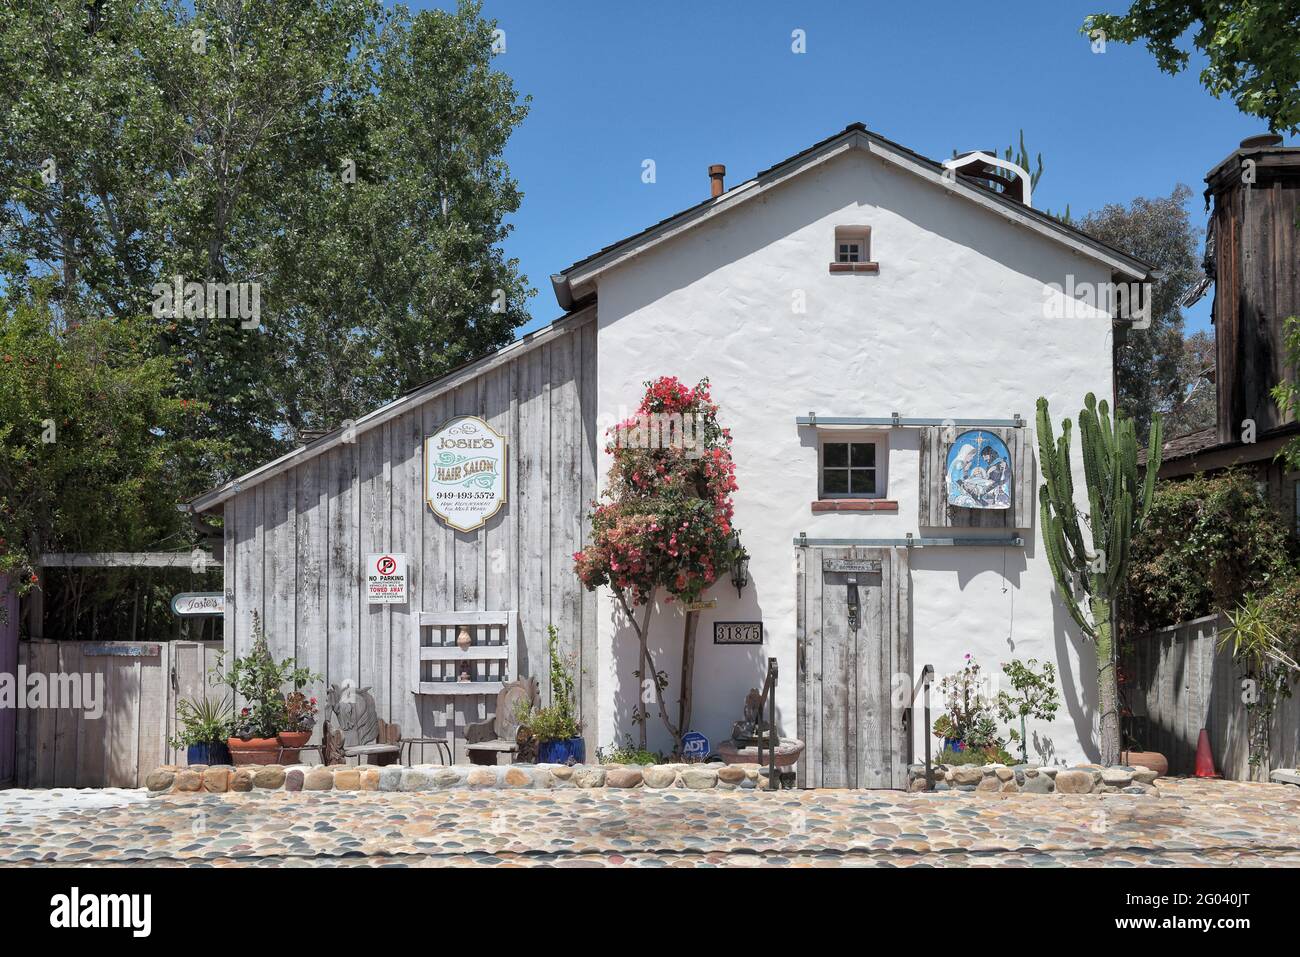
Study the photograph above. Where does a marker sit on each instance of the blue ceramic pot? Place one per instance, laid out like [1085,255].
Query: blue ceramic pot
[559,752]
[214,752]
[954,744]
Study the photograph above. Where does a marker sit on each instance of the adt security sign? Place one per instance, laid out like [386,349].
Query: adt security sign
[695,745]
[386,579]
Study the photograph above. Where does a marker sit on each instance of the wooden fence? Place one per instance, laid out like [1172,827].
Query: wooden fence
[1182,683]
[8,666]
[142,681]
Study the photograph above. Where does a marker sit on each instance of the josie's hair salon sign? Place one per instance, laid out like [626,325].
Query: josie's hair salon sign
[465,472]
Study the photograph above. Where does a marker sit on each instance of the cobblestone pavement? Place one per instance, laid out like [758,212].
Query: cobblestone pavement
[1196,823]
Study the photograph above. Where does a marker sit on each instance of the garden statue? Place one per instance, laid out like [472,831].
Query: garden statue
[748,730]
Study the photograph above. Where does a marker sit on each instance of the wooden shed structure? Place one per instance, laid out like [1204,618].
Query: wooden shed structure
[297,532]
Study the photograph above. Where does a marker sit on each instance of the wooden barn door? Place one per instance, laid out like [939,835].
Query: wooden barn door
[853,639]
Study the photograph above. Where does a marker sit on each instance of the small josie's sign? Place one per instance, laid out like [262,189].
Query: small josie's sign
[465,472]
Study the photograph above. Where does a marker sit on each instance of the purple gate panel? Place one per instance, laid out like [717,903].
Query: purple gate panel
[9,666]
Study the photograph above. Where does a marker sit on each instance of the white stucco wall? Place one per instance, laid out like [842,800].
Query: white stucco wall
[953,325]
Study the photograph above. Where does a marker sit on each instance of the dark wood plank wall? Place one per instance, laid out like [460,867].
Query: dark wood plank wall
[1257,286]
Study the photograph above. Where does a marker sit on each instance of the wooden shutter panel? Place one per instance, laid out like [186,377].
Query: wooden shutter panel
[934,511]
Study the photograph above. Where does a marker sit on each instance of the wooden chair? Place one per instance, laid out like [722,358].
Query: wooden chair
[360,732]
[485,740]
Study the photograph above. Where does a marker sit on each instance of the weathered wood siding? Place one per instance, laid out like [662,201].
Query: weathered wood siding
[855,735]
[1257,286]
[295,543]
[63,747]
[935,512]
[1183,683]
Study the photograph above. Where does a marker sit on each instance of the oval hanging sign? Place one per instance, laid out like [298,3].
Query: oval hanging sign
[193,603]
[465,472]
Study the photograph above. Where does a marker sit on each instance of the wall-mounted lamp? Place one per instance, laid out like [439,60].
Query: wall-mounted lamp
[739,564]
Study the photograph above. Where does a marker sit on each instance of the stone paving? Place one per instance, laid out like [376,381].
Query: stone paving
[1192,823]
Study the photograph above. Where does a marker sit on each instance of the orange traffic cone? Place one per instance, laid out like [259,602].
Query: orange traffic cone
[1204,757]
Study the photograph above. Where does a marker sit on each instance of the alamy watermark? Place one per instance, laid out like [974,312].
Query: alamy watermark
[661,430]
[210,300]
[70,691]
[1128,302]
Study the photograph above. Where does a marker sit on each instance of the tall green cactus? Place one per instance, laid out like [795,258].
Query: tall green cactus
[1092,568]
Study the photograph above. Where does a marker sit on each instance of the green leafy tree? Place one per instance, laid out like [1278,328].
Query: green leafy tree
[1089,553]
[1252,49]
[341,158]
[1287,392]
[1150,372]
[1195,406]
[82,468]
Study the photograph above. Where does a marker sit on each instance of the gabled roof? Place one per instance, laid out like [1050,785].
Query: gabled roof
[210,499]
[577,283]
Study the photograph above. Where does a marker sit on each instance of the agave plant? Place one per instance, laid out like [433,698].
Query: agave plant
[1251,638]
[203,721]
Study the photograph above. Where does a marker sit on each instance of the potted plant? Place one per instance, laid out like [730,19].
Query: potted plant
[258,679]
[966,722]
[1034,696]
[557,730]
[205,726]
[299,717]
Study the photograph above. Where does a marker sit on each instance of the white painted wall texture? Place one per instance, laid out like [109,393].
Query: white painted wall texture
[953,325]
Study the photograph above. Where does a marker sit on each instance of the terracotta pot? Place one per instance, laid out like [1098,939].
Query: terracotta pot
[291,741]
[253,751]
[1154,760]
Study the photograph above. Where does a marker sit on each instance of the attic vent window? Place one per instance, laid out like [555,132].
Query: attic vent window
[853,250]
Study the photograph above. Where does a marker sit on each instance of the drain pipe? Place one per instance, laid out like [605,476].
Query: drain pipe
[927,676]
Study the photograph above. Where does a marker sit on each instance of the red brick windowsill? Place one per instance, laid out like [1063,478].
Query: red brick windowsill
[855,505]
[855,267]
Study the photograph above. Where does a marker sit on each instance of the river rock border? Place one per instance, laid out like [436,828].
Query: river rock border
[220,779]
[1032,779]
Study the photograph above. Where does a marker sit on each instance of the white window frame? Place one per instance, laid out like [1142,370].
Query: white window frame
[879,439]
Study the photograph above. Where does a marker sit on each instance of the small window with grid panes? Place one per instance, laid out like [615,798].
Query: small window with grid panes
[849,470]
[849,251]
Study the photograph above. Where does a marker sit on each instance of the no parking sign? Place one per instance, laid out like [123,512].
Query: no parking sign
[386,579]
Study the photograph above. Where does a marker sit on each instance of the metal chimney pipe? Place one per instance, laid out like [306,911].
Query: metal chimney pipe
[716,174]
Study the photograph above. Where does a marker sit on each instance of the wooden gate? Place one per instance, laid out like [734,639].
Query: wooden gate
[141,682]
[853,636]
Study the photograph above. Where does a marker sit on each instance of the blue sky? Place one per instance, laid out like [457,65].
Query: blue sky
[689,84]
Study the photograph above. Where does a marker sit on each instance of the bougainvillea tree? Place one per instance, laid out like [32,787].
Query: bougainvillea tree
[663,526]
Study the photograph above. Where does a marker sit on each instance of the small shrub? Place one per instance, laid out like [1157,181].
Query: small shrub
[976,756]
[627,753]
[1206,541]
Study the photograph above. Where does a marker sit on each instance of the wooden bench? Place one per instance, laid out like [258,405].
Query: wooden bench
[485,740]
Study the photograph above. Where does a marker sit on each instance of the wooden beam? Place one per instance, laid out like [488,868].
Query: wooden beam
[127,560]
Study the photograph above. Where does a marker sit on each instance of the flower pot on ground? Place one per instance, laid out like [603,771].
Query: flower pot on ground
[253,751]
[204,725]
[1154,760]
[299,716]
[292,742]
[558,732]
[561,750]
[209,752]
